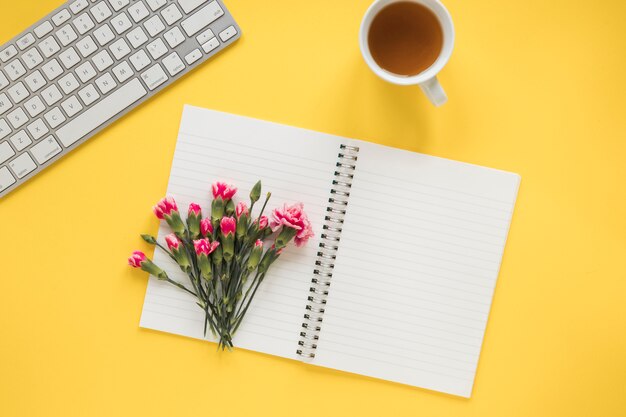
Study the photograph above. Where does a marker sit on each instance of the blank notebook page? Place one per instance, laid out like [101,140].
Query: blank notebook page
[295,165]
[416,269]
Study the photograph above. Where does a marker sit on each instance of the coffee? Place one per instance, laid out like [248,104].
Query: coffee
[405,38]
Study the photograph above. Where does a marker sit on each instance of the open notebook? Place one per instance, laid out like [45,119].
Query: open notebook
[398,282]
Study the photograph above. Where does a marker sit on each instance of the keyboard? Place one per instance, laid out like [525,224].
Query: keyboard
[88,63]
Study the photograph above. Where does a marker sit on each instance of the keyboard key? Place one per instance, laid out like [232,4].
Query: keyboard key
[32,58]
[190,5]
[78,6]
[85,72]
[88,95]
[174,37]
[69,58]
[5,129]
[157,48]
[102,60]
[3,80]
[205,36]
[15,69]
[119,4]
[171,14]
[156,4]
[106,83]
[61,17]
[45,150]
[121,23]
[68,83]
[140,60]
[6,179]
[22,165]
[137,37]
[25,41]
[193,56]
[104,35]
[154,25]
[202,18]
[101,12]
[20,140]
[34,106]
[102,112]
[49,47]
[66,35]
[17,118]
[210,45]
[54,117]
[51,95]
[5,151]
[37,129]
[86,46]
[18,93]
[173,64]
[35,81]
[8,53]
[228,33]
[71,106]
[52,69]
[5,103]
[120,49]
[123,72]
[83,23]
[138,11]
[154,77]
[43,29]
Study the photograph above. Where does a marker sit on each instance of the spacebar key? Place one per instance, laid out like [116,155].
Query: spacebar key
[101,112]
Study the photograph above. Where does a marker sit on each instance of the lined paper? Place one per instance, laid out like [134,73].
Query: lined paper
[295,165]
[419,255]
[418,259]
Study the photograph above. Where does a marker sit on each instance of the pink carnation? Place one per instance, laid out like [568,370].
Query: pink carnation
[165,207]
[194,209]
[206,227]
[136,259]
[263,221]
[242,208]
[223,190]
[204,246]
[172,241]
[228,225]
[293,216]
[258,243]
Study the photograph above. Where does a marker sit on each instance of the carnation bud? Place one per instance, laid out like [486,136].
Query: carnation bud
[174,244]
[194,215]
[139,260]
[206,227]
[255,255]
[227,231]
[255,193]
[149,239]
[166,209]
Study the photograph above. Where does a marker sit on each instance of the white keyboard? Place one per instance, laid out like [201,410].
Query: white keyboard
[87,64]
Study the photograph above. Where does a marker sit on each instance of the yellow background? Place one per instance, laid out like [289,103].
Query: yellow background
[536,87]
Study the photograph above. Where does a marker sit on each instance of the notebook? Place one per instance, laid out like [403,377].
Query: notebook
[397,283]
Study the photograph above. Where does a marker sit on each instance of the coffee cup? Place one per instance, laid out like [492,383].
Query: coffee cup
[408,42]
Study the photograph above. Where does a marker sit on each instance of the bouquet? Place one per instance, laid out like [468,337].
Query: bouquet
[225,256]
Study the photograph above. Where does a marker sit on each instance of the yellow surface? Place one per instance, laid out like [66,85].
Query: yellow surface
[536,87]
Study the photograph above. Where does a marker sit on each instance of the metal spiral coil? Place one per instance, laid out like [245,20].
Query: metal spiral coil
[327,253]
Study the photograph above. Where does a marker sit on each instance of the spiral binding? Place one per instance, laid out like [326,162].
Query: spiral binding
[327,253]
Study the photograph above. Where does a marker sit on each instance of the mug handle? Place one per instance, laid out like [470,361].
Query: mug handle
[434,92]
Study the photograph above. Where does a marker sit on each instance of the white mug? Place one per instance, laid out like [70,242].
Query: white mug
[427,79]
